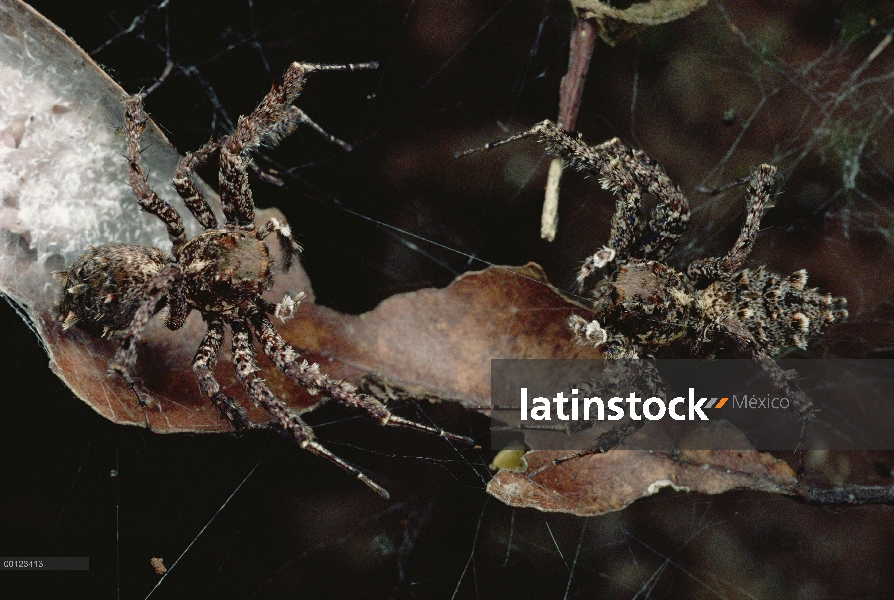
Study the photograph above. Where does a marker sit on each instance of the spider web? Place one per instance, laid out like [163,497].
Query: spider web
[247,517]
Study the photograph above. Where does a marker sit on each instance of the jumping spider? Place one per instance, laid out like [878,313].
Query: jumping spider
[222,273]
[717,308]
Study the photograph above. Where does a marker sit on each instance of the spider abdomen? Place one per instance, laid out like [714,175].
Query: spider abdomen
[780,312]
[225,268]
[104,287]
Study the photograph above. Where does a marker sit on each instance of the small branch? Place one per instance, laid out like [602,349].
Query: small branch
[571,91]
[857,494]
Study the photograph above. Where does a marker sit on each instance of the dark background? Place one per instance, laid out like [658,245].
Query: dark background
[400,213]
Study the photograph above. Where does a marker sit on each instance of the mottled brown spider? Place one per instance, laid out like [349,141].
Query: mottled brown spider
[643,307]
[221,273]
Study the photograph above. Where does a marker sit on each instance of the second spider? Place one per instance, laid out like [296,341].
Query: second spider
[644,307]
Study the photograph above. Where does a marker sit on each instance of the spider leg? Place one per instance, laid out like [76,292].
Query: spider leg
[126,357]
[186,187]
[593,263]
[746,343]
[203,367]
[602,159]
[309,376]
[670,216]
[635,374]
[294,118]
[250,131]
[606,442]
[559,144]
[626,173]
[760,198]
[614,346]
[177,307]
[290,247]
[135,122]
[288,422]
[278,132]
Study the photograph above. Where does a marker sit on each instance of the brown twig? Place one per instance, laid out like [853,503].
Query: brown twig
[571,91]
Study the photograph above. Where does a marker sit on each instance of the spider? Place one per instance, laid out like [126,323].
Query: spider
[644,306]
[221,273]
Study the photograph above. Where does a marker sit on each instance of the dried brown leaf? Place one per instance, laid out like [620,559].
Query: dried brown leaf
[603,483]
[619,24]
[440,342]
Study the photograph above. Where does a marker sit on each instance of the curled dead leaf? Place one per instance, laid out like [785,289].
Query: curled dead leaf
[602,483]
[619,24]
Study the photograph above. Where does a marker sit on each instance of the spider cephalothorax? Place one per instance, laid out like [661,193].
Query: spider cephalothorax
[221,273]
[222,270]
[643,307]
[646,300]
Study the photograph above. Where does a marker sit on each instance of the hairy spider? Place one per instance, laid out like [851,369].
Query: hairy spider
[643,306]
[222,273]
